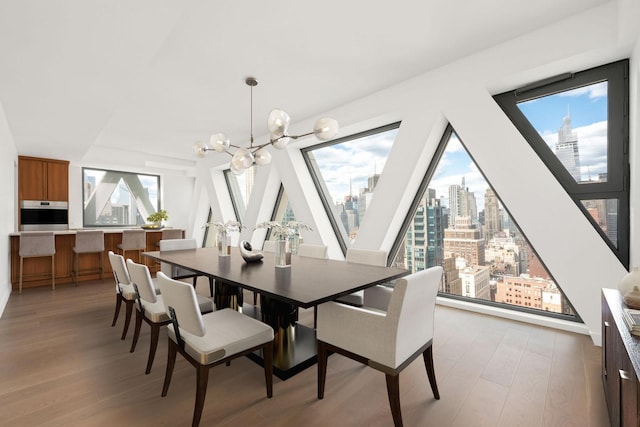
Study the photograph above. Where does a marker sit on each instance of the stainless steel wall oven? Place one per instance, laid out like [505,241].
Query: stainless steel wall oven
[42,215]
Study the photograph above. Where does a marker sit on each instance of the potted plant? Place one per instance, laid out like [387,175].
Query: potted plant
[156,218]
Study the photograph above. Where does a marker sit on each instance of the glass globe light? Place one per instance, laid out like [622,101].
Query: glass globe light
[325,128]
[281,142]
[278,123]
[262,157]
[199,149]
[235,170]
[219,142]
[242,159]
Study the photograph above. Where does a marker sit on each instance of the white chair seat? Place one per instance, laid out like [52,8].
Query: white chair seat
[127,290]
[228,332]
[157,314]
[155,311]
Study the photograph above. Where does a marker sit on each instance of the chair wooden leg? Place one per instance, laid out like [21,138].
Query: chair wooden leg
[127,318]
[53,272]
[171,361]
[393,390]
[323,355]
[315,317]
[153,345]
[101,263]
[118,304]
[136,331]
[431,373]
[267,352]
[202,374]
[210,286]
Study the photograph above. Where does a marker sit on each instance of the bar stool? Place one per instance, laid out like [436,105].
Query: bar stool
[170,234]
[132,240]
[37,244]
[88,242]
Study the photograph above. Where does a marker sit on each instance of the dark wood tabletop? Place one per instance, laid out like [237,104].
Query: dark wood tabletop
[306,283]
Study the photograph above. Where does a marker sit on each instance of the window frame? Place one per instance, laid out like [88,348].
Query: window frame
[232,195]
[84,169]
[617,186]
[318,181]
[422,189]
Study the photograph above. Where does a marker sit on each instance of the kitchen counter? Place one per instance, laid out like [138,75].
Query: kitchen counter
[65,241]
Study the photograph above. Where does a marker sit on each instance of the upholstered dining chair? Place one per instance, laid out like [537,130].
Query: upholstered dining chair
[151,308]
[176,272]
[387,341]
[171,233]
[313,251]
[363,256]
[88,242]
[211,339]
[133,240]
[125,291]
[35,244]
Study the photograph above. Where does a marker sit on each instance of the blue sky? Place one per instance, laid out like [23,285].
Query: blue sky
[359,159]
[354,160]
[588,109]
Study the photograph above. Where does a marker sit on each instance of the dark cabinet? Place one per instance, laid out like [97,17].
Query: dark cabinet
[620,362]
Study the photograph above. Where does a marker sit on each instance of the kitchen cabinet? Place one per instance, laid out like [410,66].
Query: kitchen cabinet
[43,179]
[620,362]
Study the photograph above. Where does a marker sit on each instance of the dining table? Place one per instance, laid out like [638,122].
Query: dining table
[305,283]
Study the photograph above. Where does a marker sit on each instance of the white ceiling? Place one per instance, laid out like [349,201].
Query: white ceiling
[158,75]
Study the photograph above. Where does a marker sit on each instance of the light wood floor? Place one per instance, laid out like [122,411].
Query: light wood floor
[62,364]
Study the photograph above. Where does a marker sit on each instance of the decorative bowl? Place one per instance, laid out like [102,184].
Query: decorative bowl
[247,252]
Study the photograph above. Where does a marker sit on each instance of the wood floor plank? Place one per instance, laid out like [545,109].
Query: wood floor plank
[62,364]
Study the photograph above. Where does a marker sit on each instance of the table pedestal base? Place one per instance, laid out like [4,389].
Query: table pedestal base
[295,345]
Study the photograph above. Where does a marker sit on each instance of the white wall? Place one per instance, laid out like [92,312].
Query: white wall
[461,93]
[8,194]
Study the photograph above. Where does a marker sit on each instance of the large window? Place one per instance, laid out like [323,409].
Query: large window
[579,126]
[459,223]
[346,172]
[240,187]
[117,199]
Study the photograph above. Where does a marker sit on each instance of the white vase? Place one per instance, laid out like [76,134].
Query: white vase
[224,243]
[629,281]
[283,256]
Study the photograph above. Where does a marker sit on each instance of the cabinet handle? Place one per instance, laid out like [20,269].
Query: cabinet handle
[606,324]
[624,375]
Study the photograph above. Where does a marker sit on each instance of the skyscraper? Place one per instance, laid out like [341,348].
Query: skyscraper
[567,148]
[492,217]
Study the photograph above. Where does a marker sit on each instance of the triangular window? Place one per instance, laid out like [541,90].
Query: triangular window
[459,223]
[345,172]
[579,126]
[240,187]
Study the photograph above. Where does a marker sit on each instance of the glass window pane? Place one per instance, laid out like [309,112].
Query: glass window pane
[461,225]
[283,212]
[240,187]
[605,213]
[573,124]
[347,172]
[113,198]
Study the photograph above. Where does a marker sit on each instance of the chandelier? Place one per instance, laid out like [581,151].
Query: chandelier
[278,125]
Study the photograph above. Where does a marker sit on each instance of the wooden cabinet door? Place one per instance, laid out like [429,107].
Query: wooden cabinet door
[57,181]
[610,343]
[628,392]
[31,176]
